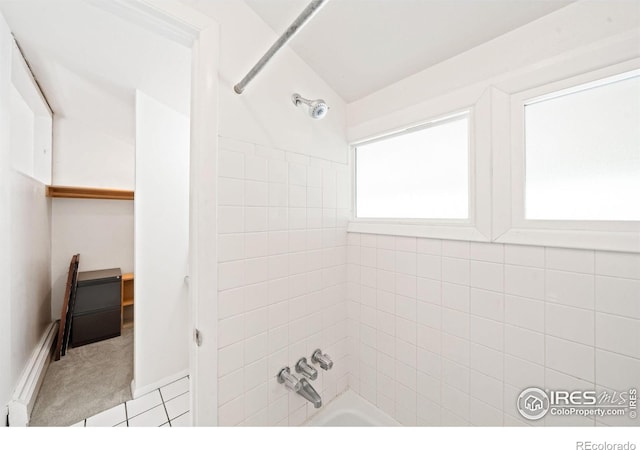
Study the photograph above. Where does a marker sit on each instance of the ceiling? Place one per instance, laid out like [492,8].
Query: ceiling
[90,62]
[361,46]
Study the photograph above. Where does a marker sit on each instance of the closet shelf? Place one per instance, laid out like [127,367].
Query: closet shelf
[86,192]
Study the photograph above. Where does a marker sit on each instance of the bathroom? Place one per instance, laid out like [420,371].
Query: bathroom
[438,321]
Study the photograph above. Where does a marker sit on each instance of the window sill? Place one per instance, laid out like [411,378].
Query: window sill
[615,241]
[462,232]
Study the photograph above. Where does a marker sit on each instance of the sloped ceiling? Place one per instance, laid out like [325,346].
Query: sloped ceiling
[89,61]
[361,46]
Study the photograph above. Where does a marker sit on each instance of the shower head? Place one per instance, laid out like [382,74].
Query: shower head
[317,108]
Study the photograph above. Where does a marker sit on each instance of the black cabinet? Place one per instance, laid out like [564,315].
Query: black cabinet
[96,314]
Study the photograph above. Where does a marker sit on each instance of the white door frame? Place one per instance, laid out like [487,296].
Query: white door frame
[191,28]
[203,265]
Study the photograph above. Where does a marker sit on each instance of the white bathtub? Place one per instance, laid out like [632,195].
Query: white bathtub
[351,410]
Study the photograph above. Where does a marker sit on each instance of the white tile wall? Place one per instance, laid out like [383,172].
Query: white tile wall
[283,280]
[486,321]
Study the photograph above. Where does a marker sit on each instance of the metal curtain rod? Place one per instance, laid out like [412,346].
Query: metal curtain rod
[297,24]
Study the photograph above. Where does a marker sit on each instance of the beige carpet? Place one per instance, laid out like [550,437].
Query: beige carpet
[88,380]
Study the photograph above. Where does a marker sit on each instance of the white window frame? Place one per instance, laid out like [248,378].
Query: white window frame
[478,225]
[509,223]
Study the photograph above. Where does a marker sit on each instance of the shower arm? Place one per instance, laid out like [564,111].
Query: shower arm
[297,24]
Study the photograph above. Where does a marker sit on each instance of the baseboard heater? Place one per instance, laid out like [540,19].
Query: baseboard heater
[24,397]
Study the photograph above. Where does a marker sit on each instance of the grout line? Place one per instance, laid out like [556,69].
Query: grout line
[126,413]
[165,407]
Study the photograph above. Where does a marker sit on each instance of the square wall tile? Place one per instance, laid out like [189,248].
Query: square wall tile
[429,266]
[574,324]
[108,418]
[182,421]
[616,264]
[455,296]
[178,406]
[618,334]
[487,304]
[524,312]
[256,168]
[570,358]
[485,251]
[571,260]
[143,404]
[618,296]
[521,374]
[616,371]
[571,289]
[429,246]
[455,249]
[487,332]
[524,281]
[486,275]
[153,418]
[176,388]
[524,344]
[524,255]
[486,361]
[455,270]
[230,164]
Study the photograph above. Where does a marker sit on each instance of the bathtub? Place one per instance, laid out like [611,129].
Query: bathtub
[351,410]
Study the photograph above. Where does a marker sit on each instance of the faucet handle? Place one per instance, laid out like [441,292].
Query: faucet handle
[323,359]
[305,369]
[290,381]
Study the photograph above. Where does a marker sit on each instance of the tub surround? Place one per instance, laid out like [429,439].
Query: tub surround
[282,279]
[450,332]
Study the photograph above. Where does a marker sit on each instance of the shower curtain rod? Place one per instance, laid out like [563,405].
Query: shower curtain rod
[305,15]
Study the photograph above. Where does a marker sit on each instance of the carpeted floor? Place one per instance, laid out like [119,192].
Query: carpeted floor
[88,380]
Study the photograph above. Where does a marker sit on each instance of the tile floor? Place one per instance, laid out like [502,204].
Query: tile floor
[164,407]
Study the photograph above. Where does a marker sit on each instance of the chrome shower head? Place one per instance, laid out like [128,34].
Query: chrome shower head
[317,108]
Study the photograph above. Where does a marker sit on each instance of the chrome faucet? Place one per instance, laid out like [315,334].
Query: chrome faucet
[290,381]
[308,392]
[323,359]
[305,369]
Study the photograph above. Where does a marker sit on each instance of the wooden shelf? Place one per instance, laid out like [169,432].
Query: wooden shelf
[86,192]
[126,308]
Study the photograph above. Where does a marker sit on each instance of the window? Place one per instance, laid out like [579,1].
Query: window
[582,152]
[421,173]
[567,162]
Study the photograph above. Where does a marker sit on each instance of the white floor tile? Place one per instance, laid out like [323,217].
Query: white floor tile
[182,421]
[152,418]
[174,389]
[178,405]
[165,425]
[79,424]
[123,424]
[144,403]
[108,418]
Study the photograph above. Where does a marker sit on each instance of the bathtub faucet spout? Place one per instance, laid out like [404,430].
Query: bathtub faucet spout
[309,393]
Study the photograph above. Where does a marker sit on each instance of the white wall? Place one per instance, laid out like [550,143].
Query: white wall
[449,332]
[161,245]
[582,36]
[25,215]
[283,203]
[281,278]
[101,231]
[88,155]
[264,114]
